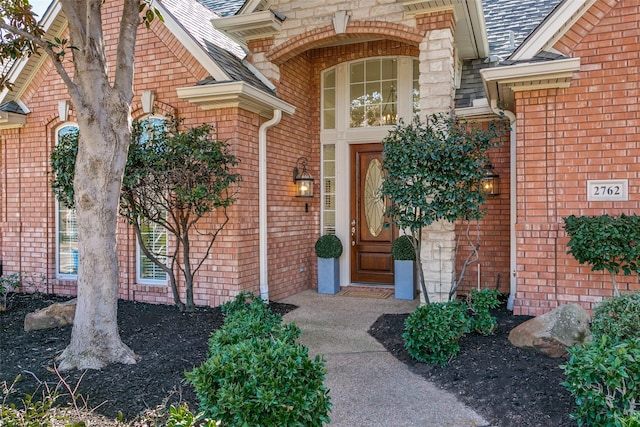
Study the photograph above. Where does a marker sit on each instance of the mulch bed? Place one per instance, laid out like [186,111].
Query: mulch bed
[508,386]
[168,342]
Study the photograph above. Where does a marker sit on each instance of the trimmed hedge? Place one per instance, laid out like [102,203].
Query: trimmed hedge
[257,375]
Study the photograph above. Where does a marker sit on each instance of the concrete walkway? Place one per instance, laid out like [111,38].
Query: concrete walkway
[368,386]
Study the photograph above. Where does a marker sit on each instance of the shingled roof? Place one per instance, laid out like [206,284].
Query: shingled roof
[223,7]
[12,107]
[509,23]
[195,18]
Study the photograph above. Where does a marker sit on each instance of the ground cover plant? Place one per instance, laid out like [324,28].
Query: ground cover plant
[510,387]
[604,375]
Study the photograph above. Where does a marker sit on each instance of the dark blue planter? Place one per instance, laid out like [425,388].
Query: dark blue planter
[328,276]
[404,278]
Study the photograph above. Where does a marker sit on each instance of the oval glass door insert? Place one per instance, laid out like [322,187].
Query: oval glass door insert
[374,206]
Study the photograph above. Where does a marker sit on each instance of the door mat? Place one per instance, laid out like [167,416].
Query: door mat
[361,293]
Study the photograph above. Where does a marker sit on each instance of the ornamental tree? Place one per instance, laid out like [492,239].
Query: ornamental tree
[610,243]
[173,178]
[434,171]
[102,102]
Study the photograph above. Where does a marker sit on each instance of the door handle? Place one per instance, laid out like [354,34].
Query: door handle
[353,232]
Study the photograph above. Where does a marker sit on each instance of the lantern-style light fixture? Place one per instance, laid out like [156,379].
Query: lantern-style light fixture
[491,181]
[302,179]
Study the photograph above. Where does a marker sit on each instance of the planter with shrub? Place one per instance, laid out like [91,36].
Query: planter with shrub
[404,267]
[328,249]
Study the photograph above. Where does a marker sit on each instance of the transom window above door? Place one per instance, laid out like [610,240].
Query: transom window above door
[370,93]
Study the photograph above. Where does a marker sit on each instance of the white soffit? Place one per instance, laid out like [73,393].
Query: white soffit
[248,27]
[24,70]
[551,29]
[471,31]
[234,94]
[500,83]
[12,120]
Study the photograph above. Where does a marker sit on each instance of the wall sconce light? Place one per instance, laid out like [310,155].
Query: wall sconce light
[302,179]
[491,181]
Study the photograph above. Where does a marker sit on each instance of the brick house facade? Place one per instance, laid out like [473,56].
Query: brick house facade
[295,94]
[577,119]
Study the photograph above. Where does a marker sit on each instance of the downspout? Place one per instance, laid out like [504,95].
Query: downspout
[513,264]
[262,201]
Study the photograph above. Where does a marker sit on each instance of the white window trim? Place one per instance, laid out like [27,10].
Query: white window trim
[343,137]
[139,279]
[146,281]
[59,275]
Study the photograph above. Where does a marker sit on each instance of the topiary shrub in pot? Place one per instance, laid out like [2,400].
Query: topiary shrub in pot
[328,249]
[403,251]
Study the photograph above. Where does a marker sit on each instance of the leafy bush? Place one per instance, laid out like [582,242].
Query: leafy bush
[618,318]
[480,302]
[328,246]
[403,248]
[604,378]
[257,375]
[605,242]
[432,332]
[249,317]
[630,421]
[181,416]
[8,284]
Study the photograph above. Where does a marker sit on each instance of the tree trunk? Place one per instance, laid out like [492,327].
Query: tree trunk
[103,110]
[102,154]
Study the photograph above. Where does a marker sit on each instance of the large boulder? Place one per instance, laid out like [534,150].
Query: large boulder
[55,316]
[553,332]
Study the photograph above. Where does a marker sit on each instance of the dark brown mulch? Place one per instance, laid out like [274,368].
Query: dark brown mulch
[169,343]
[508,386]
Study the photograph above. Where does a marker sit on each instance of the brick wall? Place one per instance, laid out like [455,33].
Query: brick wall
[493,234]
[568,136]
[27,214]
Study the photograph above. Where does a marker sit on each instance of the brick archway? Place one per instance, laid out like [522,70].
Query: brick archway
[357,30]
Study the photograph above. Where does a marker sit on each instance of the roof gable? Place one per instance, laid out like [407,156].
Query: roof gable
[510,22]
[188,20]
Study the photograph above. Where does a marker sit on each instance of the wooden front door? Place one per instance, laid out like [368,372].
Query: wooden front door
[371,231]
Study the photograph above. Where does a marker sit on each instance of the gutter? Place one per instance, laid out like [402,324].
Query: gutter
[513,193]
[262,201]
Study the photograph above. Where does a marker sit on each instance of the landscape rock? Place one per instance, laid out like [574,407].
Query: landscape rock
[55,316]
[553,332]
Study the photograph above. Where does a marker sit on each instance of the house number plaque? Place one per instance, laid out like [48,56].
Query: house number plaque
[608,190]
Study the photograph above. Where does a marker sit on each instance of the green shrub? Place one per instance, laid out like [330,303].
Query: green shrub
[249,317]
[263,382]
[403,248]
[256,375]
[605,242]
[618,318]
[432,332]
[628,421]
[480,303]
[604,378]
[8,284]
[181,416]
[328,246]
